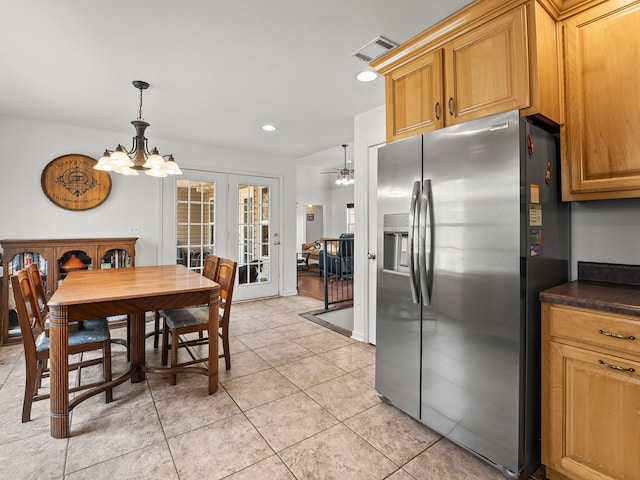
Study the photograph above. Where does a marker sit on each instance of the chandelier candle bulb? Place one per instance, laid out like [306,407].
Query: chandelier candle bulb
[128,162]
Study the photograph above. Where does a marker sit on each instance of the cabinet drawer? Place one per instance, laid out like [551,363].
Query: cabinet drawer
[601,329]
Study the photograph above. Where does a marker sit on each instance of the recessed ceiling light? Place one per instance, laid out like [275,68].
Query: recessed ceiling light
[367,76]
[269,128]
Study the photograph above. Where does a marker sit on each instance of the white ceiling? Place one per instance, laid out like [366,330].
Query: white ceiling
[218,69]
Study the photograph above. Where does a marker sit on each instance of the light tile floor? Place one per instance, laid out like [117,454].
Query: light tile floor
[298,403]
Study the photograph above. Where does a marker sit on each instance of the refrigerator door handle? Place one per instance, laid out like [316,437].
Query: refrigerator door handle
[426,242]
[413,251]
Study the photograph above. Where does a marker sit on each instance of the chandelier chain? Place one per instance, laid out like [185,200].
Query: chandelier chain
[140,108]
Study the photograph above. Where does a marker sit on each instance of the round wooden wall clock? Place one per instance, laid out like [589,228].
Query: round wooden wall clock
[71,182]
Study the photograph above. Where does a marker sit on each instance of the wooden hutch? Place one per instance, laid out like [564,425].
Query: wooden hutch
[50,254]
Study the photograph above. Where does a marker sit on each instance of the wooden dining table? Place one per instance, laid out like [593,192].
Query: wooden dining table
[131,291]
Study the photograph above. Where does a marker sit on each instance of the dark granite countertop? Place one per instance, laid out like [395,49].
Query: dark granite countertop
[609,287]
[606,297]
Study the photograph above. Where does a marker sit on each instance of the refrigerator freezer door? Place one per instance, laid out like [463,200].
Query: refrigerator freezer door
[398,317]
[471,334]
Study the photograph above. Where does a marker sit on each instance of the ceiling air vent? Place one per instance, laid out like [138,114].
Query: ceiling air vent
[374,49]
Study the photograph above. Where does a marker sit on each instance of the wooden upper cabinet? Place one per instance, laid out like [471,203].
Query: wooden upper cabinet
[601,158]
[492,56]
[487,69]
[414,97]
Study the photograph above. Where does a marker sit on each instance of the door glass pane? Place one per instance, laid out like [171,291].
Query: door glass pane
[195,222]
[253,234]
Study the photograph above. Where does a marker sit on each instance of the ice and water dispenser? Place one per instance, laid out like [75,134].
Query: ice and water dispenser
[396,243]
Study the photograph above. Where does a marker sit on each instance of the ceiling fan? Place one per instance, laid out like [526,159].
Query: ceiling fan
[345,175]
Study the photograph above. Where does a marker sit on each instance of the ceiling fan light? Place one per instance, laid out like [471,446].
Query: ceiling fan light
[345,177]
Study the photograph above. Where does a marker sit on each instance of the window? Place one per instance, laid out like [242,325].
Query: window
[351,218]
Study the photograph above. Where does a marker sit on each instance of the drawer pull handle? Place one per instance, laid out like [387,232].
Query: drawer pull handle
[617,335]
[616,367]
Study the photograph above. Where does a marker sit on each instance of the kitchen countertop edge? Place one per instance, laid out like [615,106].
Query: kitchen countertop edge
[606,297]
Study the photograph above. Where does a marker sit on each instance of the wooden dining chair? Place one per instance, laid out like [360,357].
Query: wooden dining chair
[211,267]
[39,290]
[36,344]
[90,324]
[210,270]
[182,321]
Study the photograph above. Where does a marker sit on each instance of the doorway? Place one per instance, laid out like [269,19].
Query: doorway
[314,222]
[232,216]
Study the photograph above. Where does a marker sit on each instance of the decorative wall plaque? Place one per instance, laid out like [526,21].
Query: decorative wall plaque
[71,182]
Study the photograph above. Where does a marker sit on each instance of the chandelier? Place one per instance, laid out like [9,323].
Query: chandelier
[129,162]
[345,176]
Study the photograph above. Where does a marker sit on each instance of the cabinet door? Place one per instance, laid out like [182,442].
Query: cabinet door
[593,415]
[487,69]
[602,54]
[414,97]
[17,257]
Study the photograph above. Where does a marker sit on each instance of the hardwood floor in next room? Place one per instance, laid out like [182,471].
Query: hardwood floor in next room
[311,284]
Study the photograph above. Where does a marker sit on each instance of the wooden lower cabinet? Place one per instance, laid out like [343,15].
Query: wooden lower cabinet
[591,395]
[49,254]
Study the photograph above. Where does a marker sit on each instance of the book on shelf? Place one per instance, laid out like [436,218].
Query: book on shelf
[117,259]
[22,260]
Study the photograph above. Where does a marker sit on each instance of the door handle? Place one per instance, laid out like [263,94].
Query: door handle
[426,243]
[371,256]
[277,242]
[451,106]
[414,283]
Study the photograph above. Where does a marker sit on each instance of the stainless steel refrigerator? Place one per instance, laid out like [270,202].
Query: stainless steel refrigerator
[470,229]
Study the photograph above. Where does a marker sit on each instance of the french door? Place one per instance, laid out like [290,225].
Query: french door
[232,216]
[254,235]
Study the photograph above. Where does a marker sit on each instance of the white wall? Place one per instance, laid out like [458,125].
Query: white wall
[369,130]
[315,227]
[25,212]
[605,231]
[336,220]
